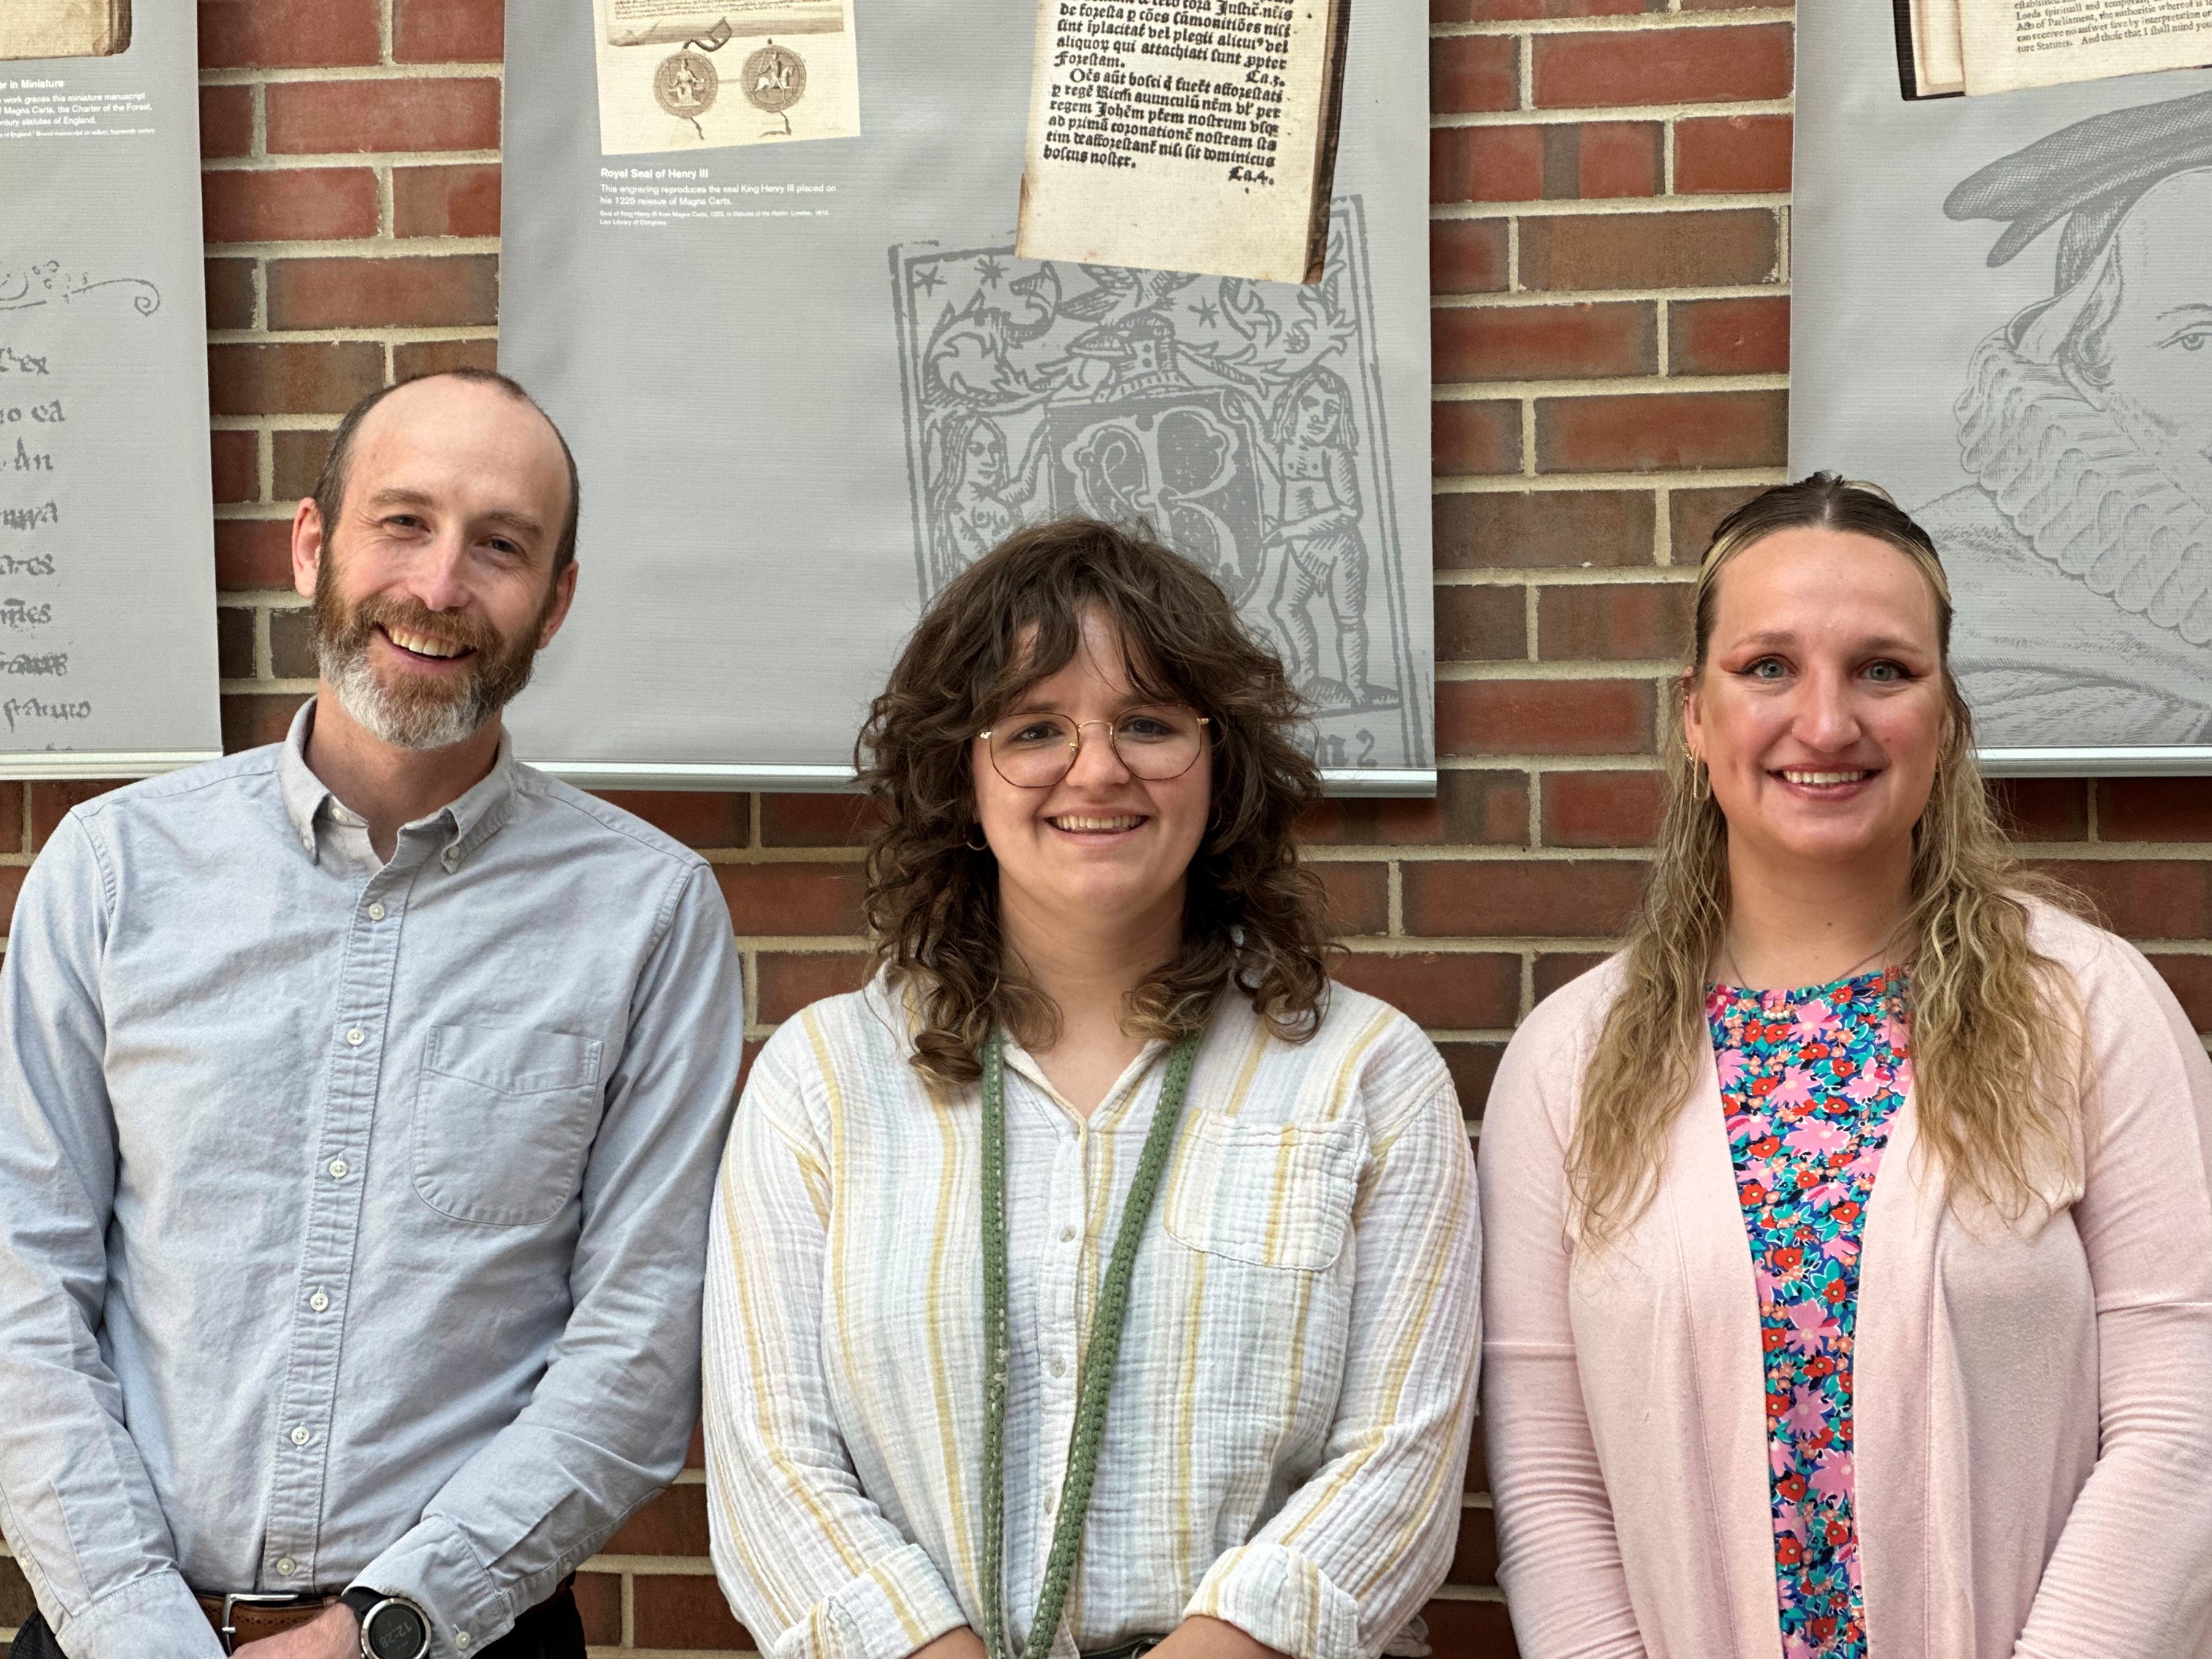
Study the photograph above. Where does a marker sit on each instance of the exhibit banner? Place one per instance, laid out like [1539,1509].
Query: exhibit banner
[808,381]
[107,651]
[2001,311]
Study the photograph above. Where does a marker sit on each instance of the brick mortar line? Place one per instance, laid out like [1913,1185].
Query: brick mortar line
[266,161]
[1461,391]
[652,1566]
[1567,207]
[377,246]
[1471,670]
[1615,23]
[1538,576]
[282,75]
[372,334]
[743,857]
[1523,299]
[1581,114]
[1499,483]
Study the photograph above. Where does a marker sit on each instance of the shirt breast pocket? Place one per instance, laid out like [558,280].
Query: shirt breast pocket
[502,1121]
[1274,1195]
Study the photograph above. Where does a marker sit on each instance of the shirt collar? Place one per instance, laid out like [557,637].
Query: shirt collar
[461,825]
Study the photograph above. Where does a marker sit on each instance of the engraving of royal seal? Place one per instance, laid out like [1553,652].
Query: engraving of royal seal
[775,78]
[685,85]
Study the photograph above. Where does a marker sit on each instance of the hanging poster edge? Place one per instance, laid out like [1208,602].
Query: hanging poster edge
[48,766]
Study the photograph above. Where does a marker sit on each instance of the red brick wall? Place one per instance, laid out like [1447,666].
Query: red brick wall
[1609,249]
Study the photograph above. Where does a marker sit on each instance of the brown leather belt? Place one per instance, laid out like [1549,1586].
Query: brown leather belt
[244,1618]
[248,1618]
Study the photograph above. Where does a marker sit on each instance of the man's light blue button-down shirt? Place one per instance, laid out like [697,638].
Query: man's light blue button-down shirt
[352,1214]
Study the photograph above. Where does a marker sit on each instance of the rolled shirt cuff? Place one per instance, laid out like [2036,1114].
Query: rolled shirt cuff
[1280,1599]
[433,1567]
[886,1612]
[156,1617]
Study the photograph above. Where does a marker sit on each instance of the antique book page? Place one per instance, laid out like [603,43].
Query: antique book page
[63,28]
[675,75]
[1935,46]
[1184,135]
[2010,44]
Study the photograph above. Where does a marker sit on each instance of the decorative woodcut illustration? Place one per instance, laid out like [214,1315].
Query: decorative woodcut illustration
[1242,420]
[1185,135]
[2049,419]
[63,28]
[673,75]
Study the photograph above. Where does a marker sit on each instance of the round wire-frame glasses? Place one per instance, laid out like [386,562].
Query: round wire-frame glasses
[1156,743]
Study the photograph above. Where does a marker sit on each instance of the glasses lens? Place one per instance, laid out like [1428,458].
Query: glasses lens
[1157,743]
[1036,751]
[1033,750]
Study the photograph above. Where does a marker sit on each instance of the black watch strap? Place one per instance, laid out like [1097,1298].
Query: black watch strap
[360,1601]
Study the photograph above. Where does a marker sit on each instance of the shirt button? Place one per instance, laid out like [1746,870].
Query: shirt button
[1059,1367]
[338,1168]
[356,1036]
[319,1302]
[299,1435]
[461,1638]
[1067,1234]
[376,913]
[287,1567]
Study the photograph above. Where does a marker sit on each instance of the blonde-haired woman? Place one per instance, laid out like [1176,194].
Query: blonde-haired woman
[1849,1234]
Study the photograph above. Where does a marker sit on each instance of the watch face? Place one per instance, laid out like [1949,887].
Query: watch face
[395,1630]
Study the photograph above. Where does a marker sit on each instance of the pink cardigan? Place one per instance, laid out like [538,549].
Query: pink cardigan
[2034,1414]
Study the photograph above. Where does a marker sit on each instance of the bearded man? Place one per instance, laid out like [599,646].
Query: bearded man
[2081,557]
[359,1108]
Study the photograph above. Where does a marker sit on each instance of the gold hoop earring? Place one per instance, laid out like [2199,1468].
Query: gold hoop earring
[973,847]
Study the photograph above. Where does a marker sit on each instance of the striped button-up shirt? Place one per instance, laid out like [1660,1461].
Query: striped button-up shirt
[352,1213]
[1287,1434]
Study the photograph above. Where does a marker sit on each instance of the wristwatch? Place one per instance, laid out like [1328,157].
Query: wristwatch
[392,1626]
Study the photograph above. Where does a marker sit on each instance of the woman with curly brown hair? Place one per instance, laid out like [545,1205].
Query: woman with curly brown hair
[1102,1276]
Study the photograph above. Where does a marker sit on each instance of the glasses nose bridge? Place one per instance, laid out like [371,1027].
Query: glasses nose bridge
[1075,744]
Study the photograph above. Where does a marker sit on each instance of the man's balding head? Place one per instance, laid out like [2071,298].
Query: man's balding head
[331,485]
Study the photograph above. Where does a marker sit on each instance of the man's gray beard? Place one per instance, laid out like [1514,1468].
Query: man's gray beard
[405,723]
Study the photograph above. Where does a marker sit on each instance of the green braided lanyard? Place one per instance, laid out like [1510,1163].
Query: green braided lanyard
[1094,1371]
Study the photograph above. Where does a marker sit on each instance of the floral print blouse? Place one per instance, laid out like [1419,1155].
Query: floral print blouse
[1809,1080]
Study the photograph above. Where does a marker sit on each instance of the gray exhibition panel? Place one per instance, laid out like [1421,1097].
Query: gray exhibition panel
[2001,311]
[807,382]
[107,654]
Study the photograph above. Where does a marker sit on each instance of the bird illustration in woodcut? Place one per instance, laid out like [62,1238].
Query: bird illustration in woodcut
[1248,313]
[1119,293]
[1040,294]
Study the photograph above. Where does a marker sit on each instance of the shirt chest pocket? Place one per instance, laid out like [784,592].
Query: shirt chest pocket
[502,1121]
[1275,1194]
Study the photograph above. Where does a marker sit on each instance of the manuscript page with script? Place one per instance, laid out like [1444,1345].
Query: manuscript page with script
[1184,135]
[2010,44]
[63,28]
